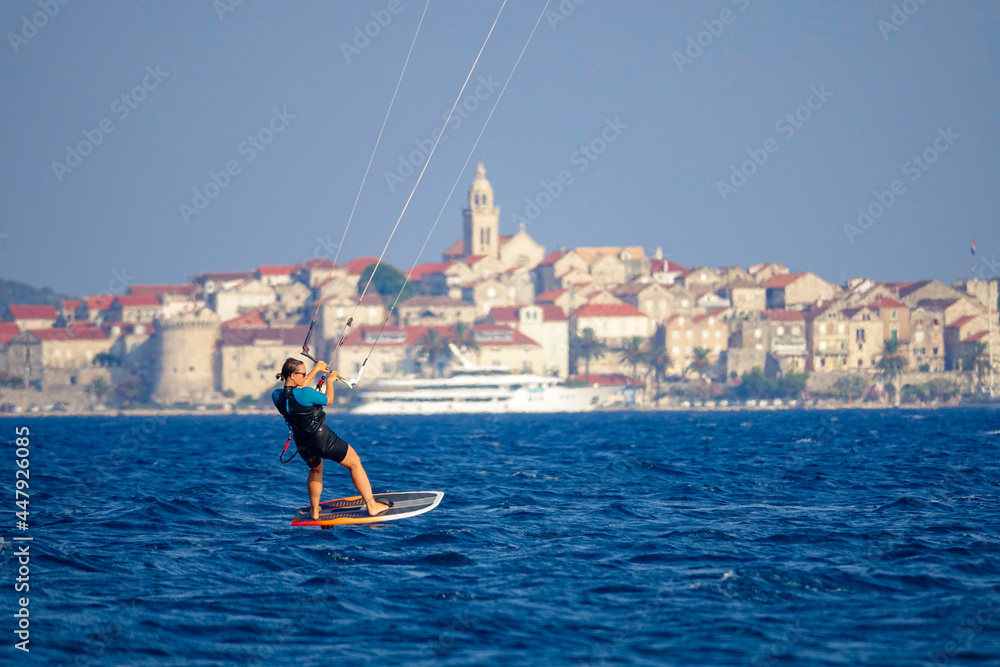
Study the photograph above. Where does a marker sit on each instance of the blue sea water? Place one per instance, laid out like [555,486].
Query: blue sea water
[737,538]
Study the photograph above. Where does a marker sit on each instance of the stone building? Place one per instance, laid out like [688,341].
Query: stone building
[546,325]
[53,358]
[249,358]
[187,371]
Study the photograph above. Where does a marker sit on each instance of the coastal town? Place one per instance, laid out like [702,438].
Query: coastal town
[669,335]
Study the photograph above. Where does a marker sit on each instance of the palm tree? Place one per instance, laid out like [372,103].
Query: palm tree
[587,346]
[890,367]
[632,353]
[700,363]
[979,361]
[464,337]
[433,347]
[658,362]
[101,389]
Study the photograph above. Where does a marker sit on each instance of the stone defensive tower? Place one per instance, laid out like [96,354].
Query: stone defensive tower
[187,357]
[482,218]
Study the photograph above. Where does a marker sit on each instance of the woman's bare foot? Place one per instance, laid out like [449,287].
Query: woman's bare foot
[375,507]
[315,512]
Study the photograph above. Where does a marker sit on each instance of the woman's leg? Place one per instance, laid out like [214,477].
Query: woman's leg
[360,479]
[315,484]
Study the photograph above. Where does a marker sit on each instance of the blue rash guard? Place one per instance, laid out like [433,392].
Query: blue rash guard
[304,395]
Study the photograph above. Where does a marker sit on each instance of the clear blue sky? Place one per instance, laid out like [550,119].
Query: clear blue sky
[680,131]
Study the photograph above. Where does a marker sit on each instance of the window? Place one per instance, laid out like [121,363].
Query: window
[796,331]
[781,331]
[822,345]
[859,335]
[840,328]
[822,328]
[757,333]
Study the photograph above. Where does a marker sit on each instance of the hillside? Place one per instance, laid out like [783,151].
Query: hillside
[17,293]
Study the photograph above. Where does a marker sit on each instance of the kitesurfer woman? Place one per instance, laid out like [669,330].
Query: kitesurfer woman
[301,406]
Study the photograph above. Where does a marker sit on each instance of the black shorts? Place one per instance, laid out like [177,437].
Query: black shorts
[323,444]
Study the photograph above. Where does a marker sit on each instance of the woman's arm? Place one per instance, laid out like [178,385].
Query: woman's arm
[330,380]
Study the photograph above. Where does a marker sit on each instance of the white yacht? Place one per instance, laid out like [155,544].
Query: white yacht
[469,389]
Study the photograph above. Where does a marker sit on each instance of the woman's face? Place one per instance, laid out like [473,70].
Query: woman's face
[299,376]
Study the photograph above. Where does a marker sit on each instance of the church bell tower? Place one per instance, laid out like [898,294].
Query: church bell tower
[482,218]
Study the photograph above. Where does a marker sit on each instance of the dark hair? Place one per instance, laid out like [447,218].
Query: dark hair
[290,366]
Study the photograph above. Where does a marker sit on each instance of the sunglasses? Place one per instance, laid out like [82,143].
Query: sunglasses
[299,373]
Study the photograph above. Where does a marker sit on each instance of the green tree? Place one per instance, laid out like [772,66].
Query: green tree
[464,338]
[979,362]
[101,389]
[851,387]
[890,367]
[632,352]
[587,347]
[388,282]
[700,364]
[433,347]
[658,361]
[106,360]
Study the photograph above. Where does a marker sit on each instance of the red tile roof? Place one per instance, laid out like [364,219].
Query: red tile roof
[962,321]
[356,267]
[76,333]
[504,313]
[7,331]
[607,310]
[99,302]
[974,337]
[456,249]
[778,282]
[886,302]
[472,259]
[777,315]
[549,296]
[33,312]
[551,258]
[426,269]
[276,270]
[71,304]
[253,319]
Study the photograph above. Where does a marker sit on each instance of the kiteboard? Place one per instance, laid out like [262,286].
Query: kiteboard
[346,511]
